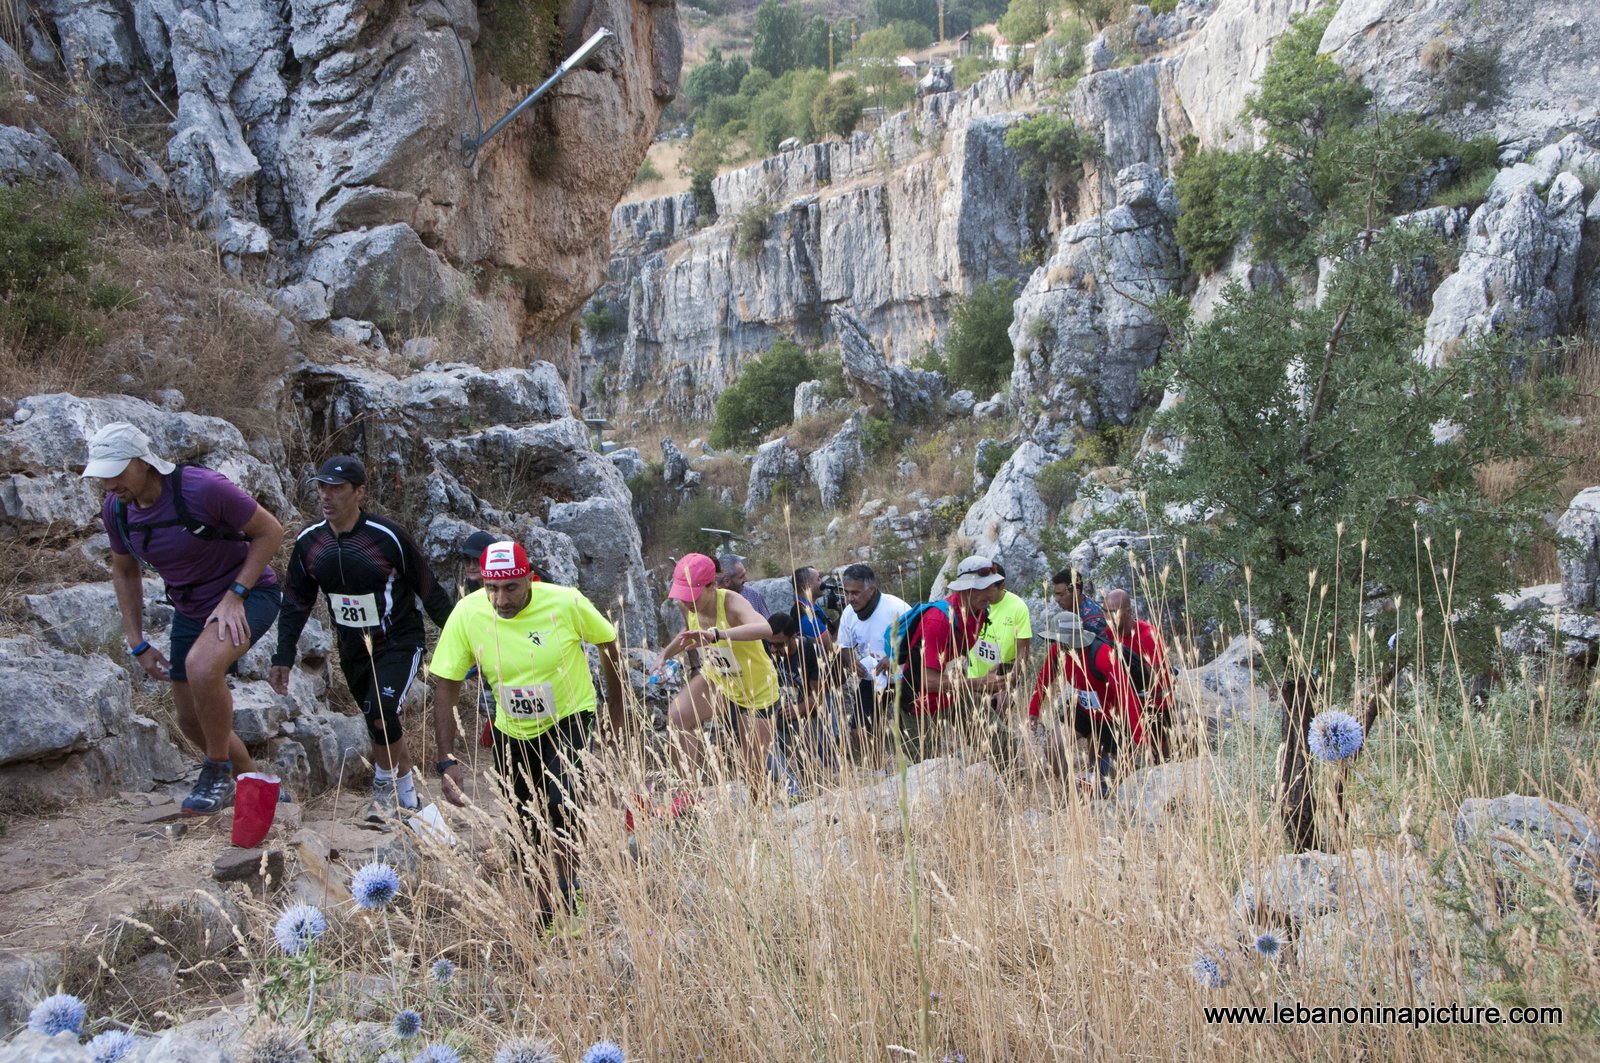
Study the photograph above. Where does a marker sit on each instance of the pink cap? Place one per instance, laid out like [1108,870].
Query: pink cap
[693,574]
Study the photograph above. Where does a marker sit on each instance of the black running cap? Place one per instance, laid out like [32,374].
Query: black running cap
[342,470]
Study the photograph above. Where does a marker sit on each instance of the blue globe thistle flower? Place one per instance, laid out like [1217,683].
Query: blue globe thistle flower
[1268,944]
[604,1052]
[1207,971]
[111,1046]
[443,971]
[1336,736]
[62,1013]
[298,927]
[437,1053]
[525,1050]
[277,1044]
[375,887]
[407,1024]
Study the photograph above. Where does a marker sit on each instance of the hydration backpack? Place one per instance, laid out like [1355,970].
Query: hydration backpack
[898,640]
[184,519]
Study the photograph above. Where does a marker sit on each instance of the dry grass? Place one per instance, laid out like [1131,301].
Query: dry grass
[811,433]
[1574,441]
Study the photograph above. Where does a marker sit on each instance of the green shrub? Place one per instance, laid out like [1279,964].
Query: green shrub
[518,39]
[601,320]
[1065,47]
[681,531]
[701,195]
[837,108]
[750,230]
[1209,185]
[879,436]
[990,459]
[648,171]
[1049,147]
[1471,76]
[830,370]
[1163,7]
[1025,21]
[970,68]
[763,397]
[977,348]
[1058,484]
[47,264]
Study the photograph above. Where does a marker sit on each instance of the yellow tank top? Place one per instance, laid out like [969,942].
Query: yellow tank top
[741,670]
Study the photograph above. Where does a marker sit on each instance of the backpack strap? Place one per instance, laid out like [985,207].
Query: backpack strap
[183,519]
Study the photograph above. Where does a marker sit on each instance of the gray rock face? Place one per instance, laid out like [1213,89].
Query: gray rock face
[1230,689]
[1543,79]
[1005,523]
[1520,257]
[30,1047]
[879,225]
[1580,553]
[30,157]
[775,460]
[1084,327]
[810,400]
[1222,62]
[72,730]
[83,618]
[42,492]
[876,385]
[629,462]
[385,275]
[834,463]
[1520,831]
[24,981]
[300,125]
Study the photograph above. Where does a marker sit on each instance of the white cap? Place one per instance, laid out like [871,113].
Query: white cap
[118,443]
[976,573]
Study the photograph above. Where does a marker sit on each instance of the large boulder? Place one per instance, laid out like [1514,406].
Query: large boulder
[71,729]
[1408,51]
[1085,326]
[1579,529]
[298,126]
[1520,258]
[1005,523]
[34,158]
[83,617]
[834,463]
[879,387]
[43,494]
[1523,832]
[775,460]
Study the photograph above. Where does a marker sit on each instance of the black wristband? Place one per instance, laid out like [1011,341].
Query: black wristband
[445,765]
[241,590]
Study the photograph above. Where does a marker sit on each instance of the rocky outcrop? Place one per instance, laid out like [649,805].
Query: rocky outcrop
[888,226]
[1519,261]
[833,464]
[46,444]
[1411,54]
[1579,529]
[879,387]
[331,134]
[1521,832]
[1221,63]
[775,460]
[1085,326]
[32,157]
[1005,523]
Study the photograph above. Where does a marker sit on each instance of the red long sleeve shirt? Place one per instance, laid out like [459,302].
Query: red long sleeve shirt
[1064,669]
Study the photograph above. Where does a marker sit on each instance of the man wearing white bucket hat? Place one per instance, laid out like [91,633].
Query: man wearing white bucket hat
[209,542]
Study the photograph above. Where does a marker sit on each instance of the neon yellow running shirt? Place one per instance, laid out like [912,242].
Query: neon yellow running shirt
[742,671]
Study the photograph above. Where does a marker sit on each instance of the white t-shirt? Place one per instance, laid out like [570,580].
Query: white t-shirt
[865,637]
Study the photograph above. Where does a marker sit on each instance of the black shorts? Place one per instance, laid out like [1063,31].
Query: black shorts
[545,774]
[379,684]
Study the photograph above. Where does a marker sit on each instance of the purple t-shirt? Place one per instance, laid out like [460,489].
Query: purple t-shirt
[198,572]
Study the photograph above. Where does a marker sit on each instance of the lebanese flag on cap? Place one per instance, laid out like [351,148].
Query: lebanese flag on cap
[503,561]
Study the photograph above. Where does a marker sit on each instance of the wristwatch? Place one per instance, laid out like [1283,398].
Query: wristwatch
[240,589]
[445,765]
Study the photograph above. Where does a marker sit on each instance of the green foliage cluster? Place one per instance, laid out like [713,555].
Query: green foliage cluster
[701,194]
[1099,13]
[763,397]
[1064,50]
[1329,166]
[601,320]
[518,39]
[682,528]
[648,171]
[970,68]
[1049,148]
[837,108]
[879,436]
[1058,484]
[1025,20]
[1331,451]
[977,348]
[751,229]
[48,262]
[1472,75]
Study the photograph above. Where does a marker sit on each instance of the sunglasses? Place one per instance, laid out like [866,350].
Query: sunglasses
[987,570]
